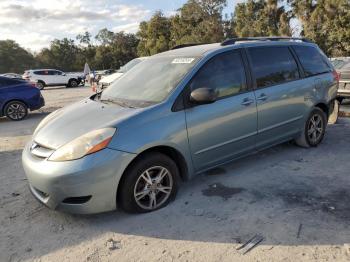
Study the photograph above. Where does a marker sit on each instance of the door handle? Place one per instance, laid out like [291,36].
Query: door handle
[262,97]
[247,101]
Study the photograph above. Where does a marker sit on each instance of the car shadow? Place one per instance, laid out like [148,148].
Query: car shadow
[289,195]
[47,88]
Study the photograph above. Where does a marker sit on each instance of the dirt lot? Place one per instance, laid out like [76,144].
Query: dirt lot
[297,199]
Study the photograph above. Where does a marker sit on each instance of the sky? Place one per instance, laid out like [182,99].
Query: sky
[34,23]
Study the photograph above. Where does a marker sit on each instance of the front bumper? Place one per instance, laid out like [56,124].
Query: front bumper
[93,180]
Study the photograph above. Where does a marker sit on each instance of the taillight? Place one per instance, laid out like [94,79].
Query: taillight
[33,84]
[336,76]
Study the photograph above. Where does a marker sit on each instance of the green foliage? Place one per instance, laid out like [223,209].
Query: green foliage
[198,21]
[154,35]
[84,38]
[261,18]
[61,55]
[327,22]
[14,58]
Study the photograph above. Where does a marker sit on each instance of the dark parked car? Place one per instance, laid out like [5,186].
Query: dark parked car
[17,97]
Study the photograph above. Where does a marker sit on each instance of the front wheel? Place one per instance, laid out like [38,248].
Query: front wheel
[40,85]
[314,129]
[16,110]
[149,184]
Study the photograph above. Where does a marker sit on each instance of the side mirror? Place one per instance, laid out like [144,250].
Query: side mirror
[203,95]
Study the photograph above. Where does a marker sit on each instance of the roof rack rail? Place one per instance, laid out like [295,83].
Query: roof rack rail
[186,45]
[232,41]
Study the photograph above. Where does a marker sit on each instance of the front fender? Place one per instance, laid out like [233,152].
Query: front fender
[156,127]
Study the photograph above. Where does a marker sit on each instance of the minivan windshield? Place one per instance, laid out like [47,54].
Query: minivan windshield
[149,82]
[125,68]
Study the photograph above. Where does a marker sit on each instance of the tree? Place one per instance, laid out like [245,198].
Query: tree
[326,22]
[62,54]
[104,36]
[261,18]
[14,58]
[116,51]
[154,35]
[198,21]
[84,38]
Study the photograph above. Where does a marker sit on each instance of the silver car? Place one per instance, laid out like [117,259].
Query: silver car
[175,115]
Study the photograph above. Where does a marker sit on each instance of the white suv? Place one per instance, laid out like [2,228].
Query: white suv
[52,77]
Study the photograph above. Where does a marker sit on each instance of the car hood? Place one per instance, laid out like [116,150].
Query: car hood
[111,78]
[78,119]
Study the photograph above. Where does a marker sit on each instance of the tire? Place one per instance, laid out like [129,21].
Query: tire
[135,194]
[307,137]
[73,83]
[40,85]
[15,110]
[334,112]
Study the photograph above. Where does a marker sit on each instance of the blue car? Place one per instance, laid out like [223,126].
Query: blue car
[17,97]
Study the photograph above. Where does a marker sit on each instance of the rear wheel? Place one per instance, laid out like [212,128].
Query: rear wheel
[16,110]
[314,129]
[73,83]
[40,85]
[149,184]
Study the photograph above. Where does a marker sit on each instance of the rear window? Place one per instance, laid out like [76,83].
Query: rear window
[273,65]
[312,61]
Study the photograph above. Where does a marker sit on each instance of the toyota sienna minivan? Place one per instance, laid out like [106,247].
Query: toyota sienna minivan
[175,115]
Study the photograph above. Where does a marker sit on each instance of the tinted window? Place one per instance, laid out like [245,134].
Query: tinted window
[54,72]
[312,60]
[273,65]
[225,73]
[43,72]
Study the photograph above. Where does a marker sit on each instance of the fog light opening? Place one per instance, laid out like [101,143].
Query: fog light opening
[76,200]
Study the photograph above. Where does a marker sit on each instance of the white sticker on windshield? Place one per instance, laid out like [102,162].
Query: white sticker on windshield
[183,60]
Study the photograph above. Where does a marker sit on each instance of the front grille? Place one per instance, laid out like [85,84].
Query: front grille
[40,150]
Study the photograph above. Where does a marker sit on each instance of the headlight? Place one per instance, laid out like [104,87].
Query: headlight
[86,144]
[46,120]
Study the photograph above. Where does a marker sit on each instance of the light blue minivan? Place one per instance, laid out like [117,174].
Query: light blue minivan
[177,114]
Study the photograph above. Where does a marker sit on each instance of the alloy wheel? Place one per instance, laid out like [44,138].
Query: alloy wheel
[315,128]
[16,111]
[73,83]
[40,85]
[153,187]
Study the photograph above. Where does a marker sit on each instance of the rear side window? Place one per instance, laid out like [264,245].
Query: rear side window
[312,61]
[225,73]
[273,65]
[42,72]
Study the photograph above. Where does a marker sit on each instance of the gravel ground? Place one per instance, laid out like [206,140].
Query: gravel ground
[297,199]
